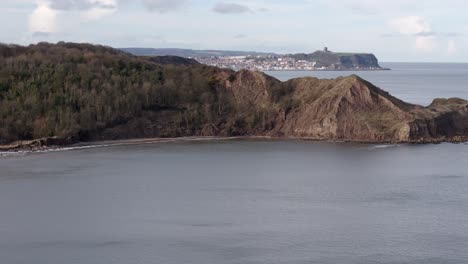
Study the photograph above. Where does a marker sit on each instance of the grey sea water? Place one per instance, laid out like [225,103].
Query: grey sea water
[245,201]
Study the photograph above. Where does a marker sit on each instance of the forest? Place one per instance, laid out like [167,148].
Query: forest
[77,91]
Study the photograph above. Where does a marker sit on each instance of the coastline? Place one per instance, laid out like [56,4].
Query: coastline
[330,70]
[21,147]
[33,147]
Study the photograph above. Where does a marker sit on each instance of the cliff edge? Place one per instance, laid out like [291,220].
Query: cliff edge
[340,60]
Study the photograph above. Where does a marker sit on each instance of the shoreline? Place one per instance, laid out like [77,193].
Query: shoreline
[25,147]
[330,70]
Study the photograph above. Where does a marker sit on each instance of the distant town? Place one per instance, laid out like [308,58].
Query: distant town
[321,60]
[260,63]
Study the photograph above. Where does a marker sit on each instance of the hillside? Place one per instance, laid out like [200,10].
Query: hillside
[66,93]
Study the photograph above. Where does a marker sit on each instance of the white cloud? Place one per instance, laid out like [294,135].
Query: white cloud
[417,28]
[410,25]
[425,43]
[394,7]
[43,19]
[97,13]
[82,4]
[100,8]
[451,47]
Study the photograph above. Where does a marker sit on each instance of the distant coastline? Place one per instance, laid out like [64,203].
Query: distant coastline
[341,70]
[320,60]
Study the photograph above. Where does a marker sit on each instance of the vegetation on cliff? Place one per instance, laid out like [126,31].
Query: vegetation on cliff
[341,61]
[81,92]
[76,91]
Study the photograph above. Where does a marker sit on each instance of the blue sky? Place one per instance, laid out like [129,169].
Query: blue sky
[397,30]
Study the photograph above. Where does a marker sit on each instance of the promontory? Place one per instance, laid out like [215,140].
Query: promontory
[66,93]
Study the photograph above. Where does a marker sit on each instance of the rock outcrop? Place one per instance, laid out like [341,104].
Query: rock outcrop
[352,109]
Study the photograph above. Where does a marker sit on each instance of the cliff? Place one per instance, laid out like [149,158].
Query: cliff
[341,61]
[66,93]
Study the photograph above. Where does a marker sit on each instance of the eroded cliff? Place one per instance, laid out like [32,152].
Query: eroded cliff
[352,109]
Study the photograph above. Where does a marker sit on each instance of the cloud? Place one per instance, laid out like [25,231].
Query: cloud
[43,20]
[411,25]
[230,8]
[163,6]
[360,7]
[425,43]
[418,28]
[451,47]
[97,13]
[394,7]
[82,4]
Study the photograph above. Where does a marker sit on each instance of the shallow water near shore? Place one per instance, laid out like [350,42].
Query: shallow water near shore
[236,201]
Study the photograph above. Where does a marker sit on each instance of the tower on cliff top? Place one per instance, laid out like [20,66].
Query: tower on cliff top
[325,49]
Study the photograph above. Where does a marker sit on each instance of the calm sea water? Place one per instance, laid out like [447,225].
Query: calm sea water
[241,201]
[417,83]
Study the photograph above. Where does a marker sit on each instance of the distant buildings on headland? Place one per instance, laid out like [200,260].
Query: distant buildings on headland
[260,63]
[319,61]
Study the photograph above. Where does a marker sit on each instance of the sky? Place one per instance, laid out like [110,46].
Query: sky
[396,30]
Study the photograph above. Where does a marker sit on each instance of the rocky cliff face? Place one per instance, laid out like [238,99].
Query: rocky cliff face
[69,93]
[352,109]
[443,119]
[347,109]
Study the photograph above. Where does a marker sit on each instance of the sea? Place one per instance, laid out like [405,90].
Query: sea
[246,201]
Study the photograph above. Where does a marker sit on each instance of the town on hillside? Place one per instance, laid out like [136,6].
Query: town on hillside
[318,61]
